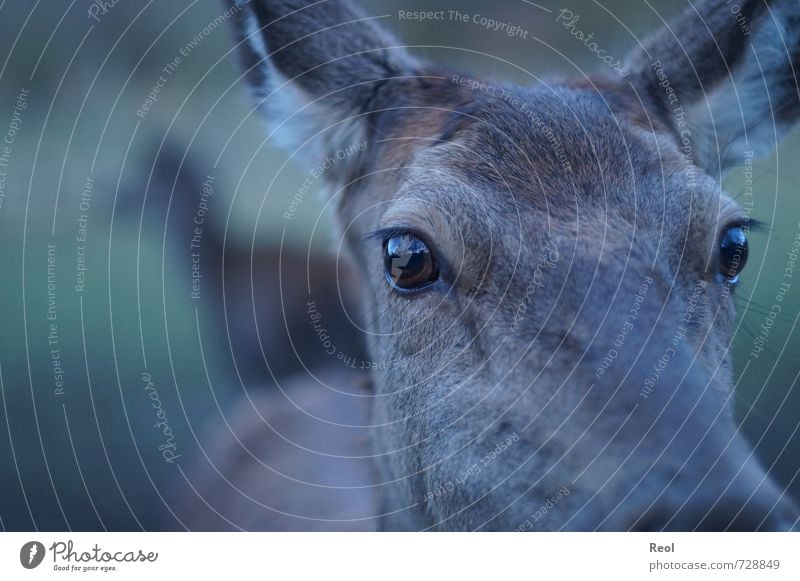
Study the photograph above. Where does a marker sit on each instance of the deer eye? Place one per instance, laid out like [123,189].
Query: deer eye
[408,264]
[732,253]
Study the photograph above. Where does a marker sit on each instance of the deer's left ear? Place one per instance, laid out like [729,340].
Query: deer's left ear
[318,70]
[725,77]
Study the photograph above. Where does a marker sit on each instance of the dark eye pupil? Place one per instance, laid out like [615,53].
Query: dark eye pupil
[732,253]
[408,263]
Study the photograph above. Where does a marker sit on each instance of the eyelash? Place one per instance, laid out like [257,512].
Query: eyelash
[385,234]
[747,224]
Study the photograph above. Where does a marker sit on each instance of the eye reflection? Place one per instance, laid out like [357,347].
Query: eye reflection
[408,263]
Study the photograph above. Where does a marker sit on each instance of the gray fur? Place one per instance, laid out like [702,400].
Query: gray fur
[567,197]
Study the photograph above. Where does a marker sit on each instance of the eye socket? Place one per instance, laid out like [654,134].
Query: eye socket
[732,253]
[408,264]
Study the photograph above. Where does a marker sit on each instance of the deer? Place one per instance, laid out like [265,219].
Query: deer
[549,269]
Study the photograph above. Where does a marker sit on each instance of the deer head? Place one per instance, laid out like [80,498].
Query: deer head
[549,268]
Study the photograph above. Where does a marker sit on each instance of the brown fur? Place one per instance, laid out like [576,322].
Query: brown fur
[589,174]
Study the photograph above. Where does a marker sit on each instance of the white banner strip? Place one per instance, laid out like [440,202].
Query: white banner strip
[370,556]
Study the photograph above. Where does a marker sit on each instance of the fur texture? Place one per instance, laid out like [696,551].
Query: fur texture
[596,205]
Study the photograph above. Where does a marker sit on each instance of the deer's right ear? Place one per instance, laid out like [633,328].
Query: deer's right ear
[317,69]
[725,77]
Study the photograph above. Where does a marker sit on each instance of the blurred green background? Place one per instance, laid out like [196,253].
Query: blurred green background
[89,458]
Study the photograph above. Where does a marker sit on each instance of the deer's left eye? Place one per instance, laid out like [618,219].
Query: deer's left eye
[408,263]
[732,253]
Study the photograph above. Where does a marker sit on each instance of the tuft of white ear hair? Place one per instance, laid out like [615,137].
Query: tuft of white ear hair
[741,116]
[311,132]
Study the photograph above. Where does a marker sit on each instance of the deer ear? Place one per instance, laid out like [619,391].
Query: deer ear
[724,77]
[317,69]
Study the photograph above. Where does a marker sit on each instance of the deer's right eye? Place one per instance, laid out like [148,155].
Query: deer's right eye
[408,263]
[732,253]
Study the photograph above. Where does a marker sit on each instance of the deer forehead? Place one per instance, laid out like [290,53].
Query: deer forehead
[553,157]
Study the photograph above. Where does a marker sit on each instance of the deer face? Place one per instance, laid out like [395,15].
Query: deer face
[547,270]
